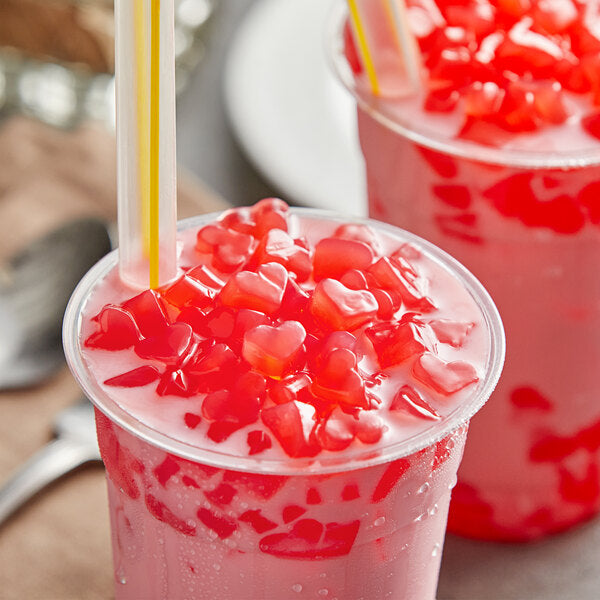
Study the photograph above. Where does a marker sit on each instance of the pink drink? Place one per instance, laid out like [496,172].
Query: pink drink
[499,164]
[247,459]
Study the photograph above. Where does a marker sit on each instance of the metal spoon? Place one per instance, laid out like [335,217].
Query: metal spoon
[34,290]
[75,444]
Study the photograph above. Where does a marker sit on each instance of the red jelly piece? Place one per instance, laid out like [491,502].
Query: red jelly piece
[553,448]
[187,291]
[222,495]
[337,432]
[443,450]
[230,249]
[258,441]
[395,343]
[238,219]
[257,521]
[442,100]
[334,256]
[205,277]
[148,312]
[401,277]
[581,490]
[337,540]
[208,366]
[192,420]
[117,330]
[287,389]
[166,470]
[222,525]
[269,213]
[369,427]
[168,346]
[444,377]
[443,164]
[294,303]
[340,308]
[292,425]
[350,492]
[313,496]
[279,247]
[119,461]
[189,482]
[219,431]
[359,233]
[260,486]
[483,99]
[235,406]
[160,511]
[591,124]
[338,380]
[274,350]
[354,280]
[308,529]
[410,401]
[261,291]
[392,474]
[292,512]
[548,102]
[135,378]
[526,397]
[176,382]
[457,196]
[450,332]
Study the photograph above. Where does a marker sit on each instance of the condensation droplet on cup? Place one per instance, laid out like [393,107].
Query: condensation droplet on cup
[378,522]
[121,577]
[322,575]
[323,592]
[297,588]
[436,550]
[421,517]
[216,566]
[424,488]
[433,510]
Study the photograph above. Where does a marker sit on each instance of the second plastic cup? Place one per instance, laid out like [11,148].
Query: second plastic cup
[192,522]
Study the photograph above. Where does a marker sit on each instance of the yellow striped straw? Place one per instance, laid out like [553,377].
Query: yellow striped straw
[154,141]
[363,46]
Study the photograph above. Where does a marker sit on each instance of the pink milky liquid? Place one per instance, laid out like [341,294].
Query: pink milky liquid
[359,524]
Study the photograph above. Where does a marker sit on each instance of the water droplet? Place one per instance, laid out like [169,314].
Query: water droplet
[217,567]
[379,521]
[121,577]
[421,517]
[322,574]
[433,510]
[323,592]
[424,488]
[297,588]
[436,550]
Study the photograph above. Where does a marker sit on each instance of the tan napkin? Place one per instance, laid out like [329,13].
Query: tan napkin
[58,546]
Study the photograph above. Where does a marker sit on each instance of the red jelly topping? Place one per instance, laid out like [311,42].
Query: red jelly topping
[282,341]
[504,65]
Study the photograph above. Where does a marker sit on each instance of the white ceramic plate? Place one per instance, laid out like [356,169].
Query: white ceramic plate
[293,119]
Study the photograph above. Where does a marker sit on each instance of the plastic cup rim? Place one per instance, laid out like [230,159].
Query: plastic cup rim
[331,463]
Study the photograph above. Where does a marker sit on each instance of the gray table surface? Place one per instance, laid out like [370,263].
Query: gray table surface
[565,567]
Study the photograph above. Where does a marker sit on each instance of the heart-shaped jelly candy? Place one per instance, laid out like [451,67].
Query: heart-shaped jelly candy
[261,291]
[274,350]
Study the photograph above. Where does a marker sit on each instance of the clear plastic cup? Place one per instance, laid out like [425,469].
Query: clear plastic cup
[526,223]
[368,522]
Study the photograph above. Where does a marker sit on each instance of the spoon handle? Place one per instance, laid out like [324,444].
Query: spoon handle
[54,460]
